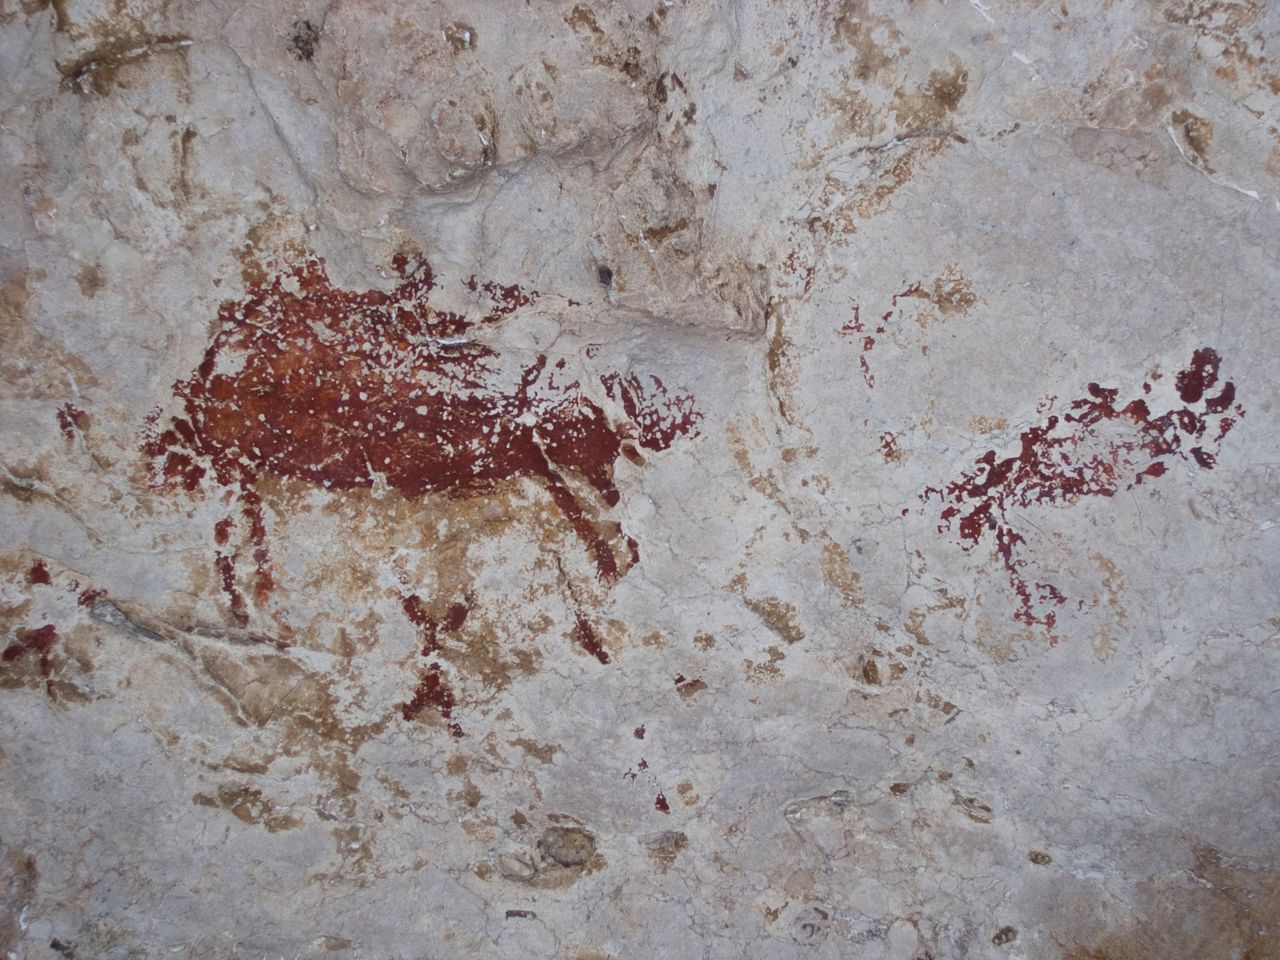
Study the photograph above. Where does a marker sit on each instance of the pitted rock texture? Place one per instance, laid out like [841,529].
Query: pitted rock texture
[691,478]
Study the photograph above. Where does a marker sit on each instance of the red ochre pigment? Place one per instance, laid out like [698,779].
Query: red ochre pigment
[433,688]
[855,329]
[39,641]
[70,419]
[344,389]
[39,573]
[1070,456]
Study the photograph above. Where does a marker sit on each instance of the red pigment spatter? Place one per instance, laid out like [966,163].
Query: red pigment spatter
[346,389]
[587,638]
[90,595]
[70,419]
[506,298]
[854,328]
[660,804]
[889,446]
[642,765]
[39,641]
[794,266]
[687,686]
[1067,457]
[434,688]
[639,732]
[39,573]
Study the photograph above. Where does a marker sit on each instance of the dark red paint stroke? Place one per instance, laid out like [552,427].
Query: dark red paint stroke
[39,573]
[1064,458]
[226,566]
[587,638]
[334,387]
[433,688]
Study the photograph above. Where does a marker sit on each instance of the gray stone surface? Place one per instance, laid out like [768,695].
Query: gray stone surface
[690,479]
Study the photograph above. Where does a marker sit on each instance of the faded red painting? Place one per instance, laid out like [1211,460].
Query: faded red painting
[856,329]
[1096,448]
[347,389]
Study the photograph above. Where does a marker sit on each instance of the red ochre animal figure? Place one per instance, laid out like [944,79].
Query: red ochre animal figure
[345,390]
[1095,448]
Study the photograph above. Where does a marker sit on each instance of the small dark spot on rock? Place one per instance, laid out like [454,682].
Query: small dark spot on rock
[1039,857]
[1004,935]
[461,36]
[605,275]
[567,846]
[660,803]
[66,949]
[302,43]
[898,789]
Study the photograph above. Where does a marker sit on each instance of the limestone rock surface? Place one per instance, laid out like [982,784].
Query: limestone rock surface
[673,478]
